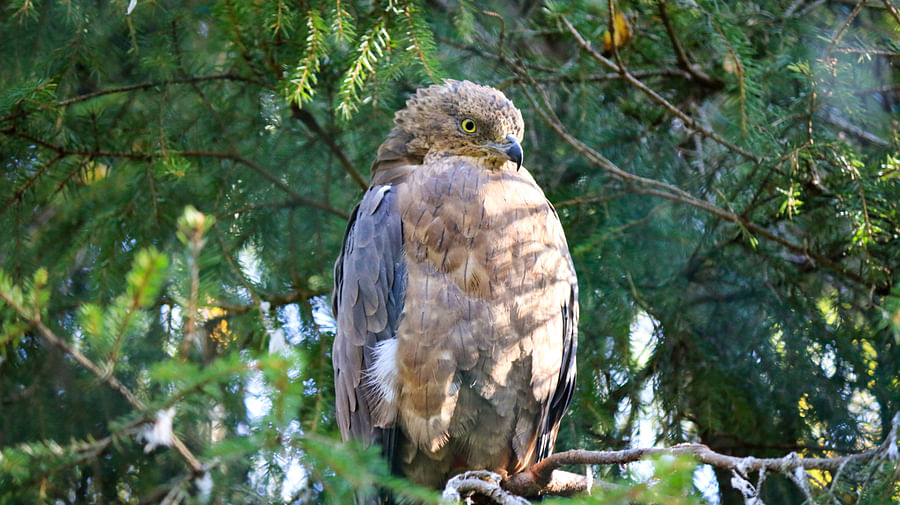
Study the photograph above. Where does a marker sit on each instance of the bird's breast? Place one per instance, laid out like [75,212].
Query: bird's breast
[484,267]
[483,228]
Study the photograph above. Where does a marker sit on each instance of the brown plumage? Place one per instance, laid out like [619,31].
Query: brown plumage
[455,296]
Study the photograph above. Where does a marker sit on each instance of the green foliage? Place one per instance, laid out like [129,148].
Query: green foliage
[372,45]
[170,217]
[378,41]
[671,482]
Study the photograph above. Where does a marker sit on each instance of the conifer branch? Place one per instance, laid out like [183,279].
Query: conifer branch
[310,121]
[98,153]
[296,197]
[655,72]
[738,69]
[343,25]
[371,47]
[680,54]
[839,35]
[656,97]
[422,44]
[134,304]
[545,477]
[893,10]
[146,85]
[108,379]
[34,177]
[228,76]
[664,190]
[238,38]
[63,151]
[305,76]
[86,450]
[556,76]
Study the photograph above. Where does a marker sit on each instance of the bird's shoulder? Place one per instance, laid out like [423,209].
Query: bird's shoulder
[395,159]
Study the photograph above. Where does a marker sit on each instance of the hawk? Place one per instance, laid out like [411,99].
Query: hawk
[455,296]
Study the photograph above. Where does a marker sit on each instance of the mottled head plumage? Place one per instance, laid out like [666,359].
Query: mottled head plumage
[438,118]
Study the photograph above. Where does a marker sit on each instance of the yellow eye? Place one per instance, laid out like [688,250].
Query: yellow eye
[467,125]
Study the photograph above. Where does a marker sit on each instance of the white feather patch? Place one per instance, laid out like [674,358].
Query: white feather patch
[381,382]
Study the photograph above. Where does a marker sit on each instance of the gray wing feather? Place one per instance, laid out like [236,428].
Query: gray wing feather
[565,386]
[369,287]
[560,398]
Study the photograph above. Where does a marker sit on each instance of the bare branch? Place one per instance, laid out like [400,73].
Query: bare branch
[61,151]
[643,185]
[482,483]
[146,85]
[680,54]
[311,123]
[546,478]
[656,97]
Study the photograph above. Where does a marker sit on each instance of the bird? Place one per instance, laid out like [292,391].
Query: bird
[455,296]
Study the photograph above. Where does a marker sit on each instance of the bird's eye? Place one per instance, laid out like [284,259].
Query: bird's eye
[467,125]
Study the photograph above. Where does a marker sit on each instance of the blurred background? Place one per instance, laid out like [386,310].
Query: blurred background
[176,179]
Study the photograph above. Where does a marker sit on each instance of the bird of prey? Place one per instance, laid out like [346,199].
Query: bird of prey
[455,296]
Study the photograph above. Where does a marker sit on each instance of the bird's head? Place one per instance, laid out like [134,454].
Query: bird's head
[464,119]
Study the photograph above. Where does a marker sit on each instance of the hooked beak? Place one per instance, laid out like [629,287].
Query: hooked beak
[513,151]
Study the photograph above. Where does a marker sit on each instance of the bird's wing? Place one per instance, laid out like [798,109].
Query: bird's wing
[561,396]
[550,297]
[369,287]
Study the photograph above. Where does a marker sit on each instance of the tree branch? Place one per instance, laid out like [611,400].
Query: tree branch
[836,39]
[893,10]
[643,185]
[296,197]
[311,123]
[656,97]
[680,54]
[144,85]
[21,191]
[480,482]
[61,151]
[108,379]
[545,477]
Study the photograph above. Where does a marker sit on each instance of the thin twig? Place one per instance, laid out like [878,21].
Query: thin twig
[108,379]
[310,121]
[680,54]
[843,29]
[893,10]
[145,85]
[656,97]
[661,189]
[539,479]
[138,156]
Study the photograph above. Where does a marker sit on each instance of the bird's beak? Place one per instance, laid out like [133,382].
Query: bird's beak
[513,151]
